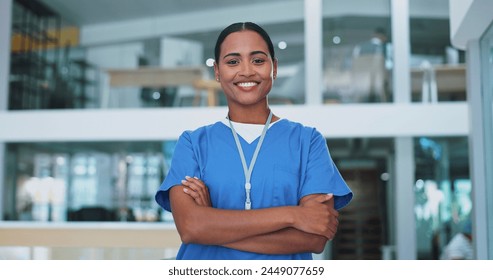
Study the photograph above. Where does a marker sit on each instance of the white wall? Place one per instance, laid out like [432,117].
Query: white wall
[213,19]
[180,52]
[119,56]
[334,121]
[469,19]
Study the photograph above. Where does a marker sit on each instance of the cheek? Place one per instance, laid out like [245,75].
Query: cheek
[226,74]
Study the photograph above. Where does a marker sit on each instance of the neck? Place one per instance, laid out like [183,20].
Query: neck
[249,115]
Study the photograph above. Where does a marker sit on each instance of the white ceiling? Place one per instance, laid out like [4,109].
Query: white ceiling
[83,12]
[429,32]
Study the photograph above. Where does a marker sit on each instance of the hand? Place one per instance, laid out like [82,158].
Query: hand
[318,215]
[196,189]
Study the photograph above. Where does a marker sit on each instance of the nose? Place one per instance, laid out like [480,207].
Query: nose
[247,70]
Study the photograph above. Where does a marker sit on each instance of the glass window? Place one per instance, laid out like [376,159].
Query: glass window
[364,224]
[357,51]
[438,71]
[86,181]
[442,192]
[139,66]
[116,181]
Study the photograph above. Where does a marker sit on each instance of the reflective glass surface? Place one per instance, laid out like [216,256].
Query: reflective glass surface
[61,58]
[357,52]
[86,181]
[442,190]
[438,70]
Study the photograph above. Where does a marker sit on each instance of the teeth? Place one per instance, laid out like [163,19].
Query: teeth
[249,84]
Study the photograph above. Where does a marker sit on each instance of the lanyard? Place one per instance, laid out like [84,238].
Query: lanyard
[248,170]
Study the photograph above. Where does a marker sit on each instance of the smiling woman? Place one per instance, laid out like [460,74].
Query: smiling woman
[248,185]
[246,69]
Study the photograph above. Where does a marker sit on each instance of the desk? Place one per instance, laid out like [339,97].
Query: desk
[212,87]
[449,79]
[160,77]
[154,77]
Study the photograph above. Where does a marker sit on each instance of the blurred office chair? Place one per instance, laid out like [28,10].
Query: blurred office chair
[368,78]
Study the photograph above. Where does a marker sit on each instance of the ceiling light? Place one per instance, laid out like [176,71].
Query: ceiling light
[209,62]
[282,45]
[336,40]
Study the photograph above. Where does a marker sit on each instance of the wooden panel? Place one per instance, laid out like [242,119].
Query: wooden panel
[99,235]
[449,78]
[154,77]
[69,36]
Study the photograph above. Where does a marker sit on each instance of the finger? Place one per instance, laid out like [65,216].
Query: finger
[198,186]
[333,227]
[195,184]
[195,196]
[334,224]
[324,198]
[333,212]
[190,184]
[315,199]
[196,181]
[185,183]
[330,232]
[190,192]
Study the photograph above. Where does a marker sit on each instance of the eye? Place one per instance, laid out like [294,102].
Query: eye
[258,61]
[232,62]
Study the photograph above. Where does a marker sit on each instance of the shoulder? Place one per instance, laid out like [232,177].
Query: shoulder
[199,132]
[307,134]
[299,127]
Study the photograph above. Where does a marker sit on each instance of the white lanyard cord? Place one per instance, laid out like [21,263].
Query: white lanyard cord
[248,170]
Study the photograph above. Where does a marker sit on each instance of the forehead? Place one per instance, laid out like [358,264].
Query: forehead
[243,41]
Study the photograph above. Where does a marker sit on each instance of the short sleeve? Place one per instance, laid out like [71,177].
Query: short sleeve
[183,163]
[322,175]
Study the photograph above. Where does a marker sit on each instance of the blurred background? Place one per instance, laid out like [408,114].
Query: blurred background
[95,94]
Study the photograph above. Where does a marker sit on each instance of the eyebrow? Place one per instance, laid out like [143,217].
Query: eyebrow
[252,53]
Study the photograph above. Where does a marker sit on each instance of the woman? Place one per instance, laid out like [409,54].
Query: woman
[252,186]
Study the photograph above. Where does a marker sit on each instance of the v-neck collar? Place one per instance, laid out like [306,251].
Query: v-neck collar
[248,132]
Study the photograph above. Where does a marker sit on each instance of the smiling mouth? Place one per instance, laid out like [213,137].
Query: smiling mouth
[247,84]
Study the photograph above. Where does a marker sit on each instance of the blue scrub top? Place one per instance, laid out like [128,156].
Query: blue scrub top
[293,162]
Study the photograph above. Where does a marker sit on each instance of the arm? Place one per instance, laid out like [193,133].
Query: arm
[299,241]
[207,225]
[274,242]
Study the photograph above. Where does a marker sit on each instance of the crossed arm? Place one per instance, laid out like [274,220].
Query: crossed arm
[306,227]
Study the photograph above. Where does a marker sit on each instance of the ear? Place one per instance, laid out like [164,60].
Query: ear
[274,69]
[216,71]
